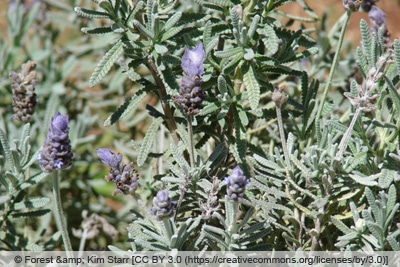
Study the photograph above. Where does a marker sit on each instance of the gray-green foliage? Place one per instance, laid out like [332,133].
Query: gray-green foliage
[305,195]
[247,55]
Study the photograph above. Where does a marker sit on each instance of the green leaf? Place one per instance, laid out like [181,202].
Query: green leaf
[29,214]
[143,29]
[229,52]
[31,203]
[32,180]
[160,49]
[172,21]
[100,30]
[148,141]
[371,201]
[6,148]
[106,63]
[396,46]
[222,87]
[366,39]
[394,95]
[252,86]
[269,38]
[392,198]
[365,180]
[340,225]
[231,66]
[386,178]
[171,33]
[375,229]
[125,108]
[87,13]
[253,26]
[362,62]
[178,157]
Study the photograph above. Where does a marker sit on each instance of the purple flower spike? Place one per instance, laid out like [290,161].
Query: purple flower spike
[56,152]
[192,61]
[163,207]
[236,184]
[124,176]
[190,97]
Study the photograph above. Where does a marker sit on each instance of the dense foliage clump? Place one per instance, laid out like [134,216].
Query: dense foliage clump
[246,127]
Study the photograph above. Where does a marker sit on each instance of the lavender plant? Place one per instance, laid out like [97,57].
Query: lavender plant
[246,133]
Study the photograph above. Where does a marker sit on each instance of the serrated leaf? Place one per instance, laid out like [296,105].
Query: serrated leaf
[148,141]
[222,87]
[32,181]
[143,29]
[172,21]
[375,229]
[252,87]
[386,178]
[125,108]
[365,180]
[362,62]
[6,148]
[29,214]
[99,30]
[87,13]
[394,95]
[396,45]
[171,33]
[178,157]
[210,45]
[366,39]
[31,203]
[160,49]
[391,199]
[269,38]
[229,52]
[106,63]
[371,201]
[231,66]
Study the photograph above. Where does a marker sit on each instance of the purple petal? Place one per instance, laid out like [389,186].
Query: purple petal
[192,61]
[105,155]
[59,123]
[377,16]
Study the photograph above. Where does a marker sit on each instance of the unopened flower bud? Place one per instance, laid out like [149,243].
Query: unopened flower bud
[352,5]
[163,207]
[236,184]
[278,97]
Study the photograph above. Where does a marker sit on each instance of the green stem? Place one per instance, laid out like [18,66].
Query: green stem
[334,65]
[347,134]
[58,213]
[168,228]
[283,138]
[191,142]
[169,116]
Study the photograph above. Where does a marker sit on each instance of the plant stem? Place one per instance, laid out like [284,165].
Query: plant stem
[334,65]
[58,213]
[169,117]
[167,226]
[347,134]
[191,142]
[282,135]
